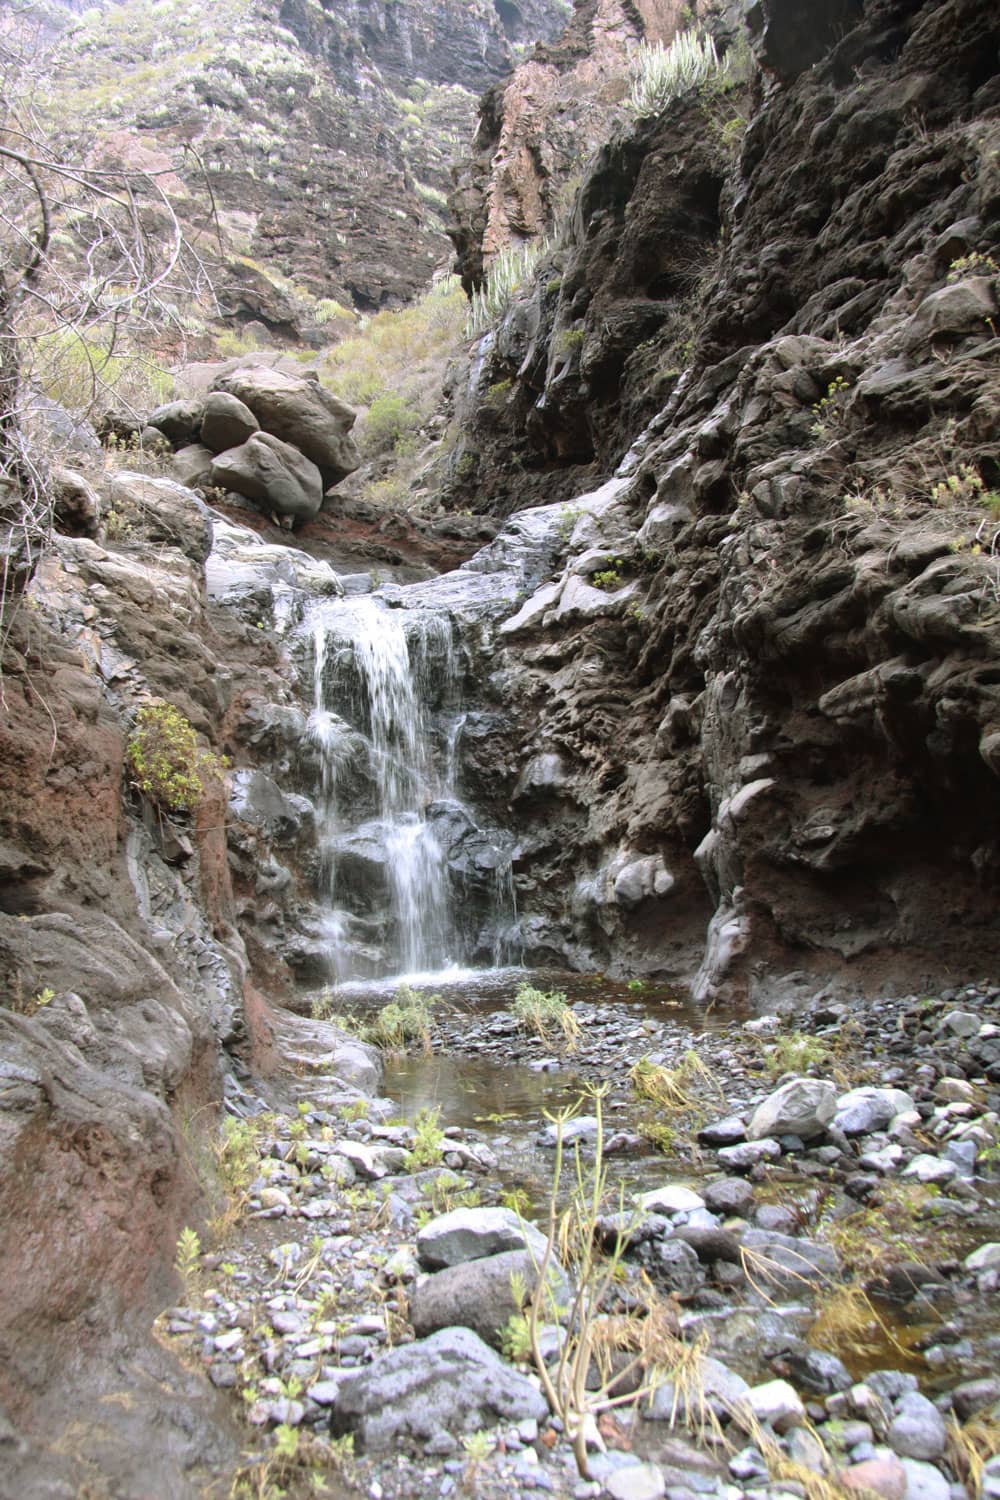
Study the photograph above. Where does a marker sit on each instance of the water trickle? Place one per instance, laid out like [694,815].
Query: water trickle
[387,724]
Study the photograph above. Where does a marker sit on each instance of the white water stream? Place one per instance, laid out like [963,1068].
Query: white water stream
[387,721]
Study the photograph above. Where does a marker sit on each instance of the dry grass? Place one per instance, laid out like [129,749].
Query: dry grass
[970,1447]
[690,1086]
[848,1322]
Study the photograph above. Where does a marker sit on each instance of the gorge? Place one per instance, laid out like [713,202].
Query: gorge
[680,671]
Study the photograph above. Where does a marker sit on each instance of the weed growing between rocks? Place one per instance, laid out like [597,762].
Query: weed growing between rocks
[428,1146]
[547,1014]
[690,1086]
[164,761]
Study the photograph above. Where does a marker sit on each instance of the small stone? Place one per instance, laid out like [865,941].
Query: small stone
[223,1376]
[671,1199]
[926,1168]
[955,1091]
[924,1481]
[324,1392]
[731,1195]
[637,1482]
[802,1107]
[864,1110]
[271,1197]
[879,1476]
[777,1403]
[229,1340]
[727,1132]
[917,1430]
[961,1023]
[984,1258]
[745,1157]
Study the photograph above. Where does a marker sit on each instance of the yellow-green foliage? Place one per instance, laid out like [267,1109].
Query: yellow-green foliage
[389,426]
[81,373]
[401,354]
[164,760]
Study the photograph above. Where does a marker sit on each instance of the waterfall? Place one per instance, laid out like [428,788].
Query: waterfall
[401,856]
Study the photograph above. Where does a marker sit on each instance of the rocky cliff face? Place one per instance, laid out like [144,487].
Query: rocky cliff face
[766,678]
[310,144]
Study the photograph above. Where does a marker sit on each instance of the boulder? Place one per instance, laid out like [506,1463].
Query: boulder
[272,474]
[477,1294]
[802,1107]
[227,422]
[170,514]
[451,1382]
[76,506]
[301,412]
[192,466]
[917,1430]
[473,1233]
[179,421]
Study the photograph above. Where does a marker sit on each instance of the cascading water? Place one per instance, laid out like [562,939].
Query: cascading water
[387,722]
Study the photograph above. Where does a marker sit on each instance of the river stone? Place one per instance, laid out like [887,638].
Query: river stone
[778,1404]
[678,1267]
[814,1370]
[673,1198]
[917,1430]
[477,1294]
[300,412]
[961,1023]
[580,1128]
[451,1382]
[714,1383]
[984,1258]
[785,1261]
[861,1111]
[924,1481]
[226,422]
[926,1168]
[802,1107]
[472,1234]
[271,473]
[745,1157]
[883,1476]
[730,1195]
[191,466]
[635,1482]
[728,1132]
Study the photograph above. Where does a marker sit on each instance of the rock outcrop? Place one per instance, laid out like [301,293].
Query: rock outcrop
[767,661]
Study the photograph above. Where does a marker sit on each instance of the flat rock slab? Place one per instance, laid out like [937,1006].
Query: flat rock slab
[472,1233]
[451,1382]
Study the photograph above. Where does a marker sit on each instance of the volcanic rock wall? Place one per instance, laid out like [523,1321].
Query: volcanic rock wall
[771,674]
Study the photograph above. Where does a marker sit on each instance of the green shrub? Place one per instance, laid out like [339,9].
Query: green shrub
[405,1019]
[164,761]
[391,421]
[544,1012]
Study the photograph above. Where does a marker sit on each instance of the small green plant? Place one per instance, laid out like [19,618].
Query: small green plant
[357,1109]
[497,394]
[389,425]
[186,1258]
[405,1019]
[569,341]
[797,1052]
[568,517]
[831,410]
[428,1144]
[164,761]
[967,487]
[515,1339]
[973,264]
[663,1137]
[609,578]
[517,1200]
[661,74]
[545,1013]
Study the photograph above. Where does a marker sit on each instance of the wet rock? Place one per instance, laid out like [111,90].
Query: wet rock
[802,1107]
[473,1233]
[450,1382]
[671,1199]
[917,1430]
[814,1370]
[677,1267]
[974,1396]
[477,1294]
[710,1244]
[782,1260]
[580,1128]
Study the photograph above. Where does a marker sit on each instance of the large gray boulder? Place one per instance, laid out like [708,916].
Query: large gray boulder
[226,422]
[473,1233]
[271,473]
[450,1383]
[477,1294]
[803,1107]
[300,412]
[861,1111]
[192,465]
[179,421]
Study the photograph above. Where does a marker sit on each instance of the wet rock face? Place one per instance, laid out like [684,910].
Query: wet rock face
[777,678]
